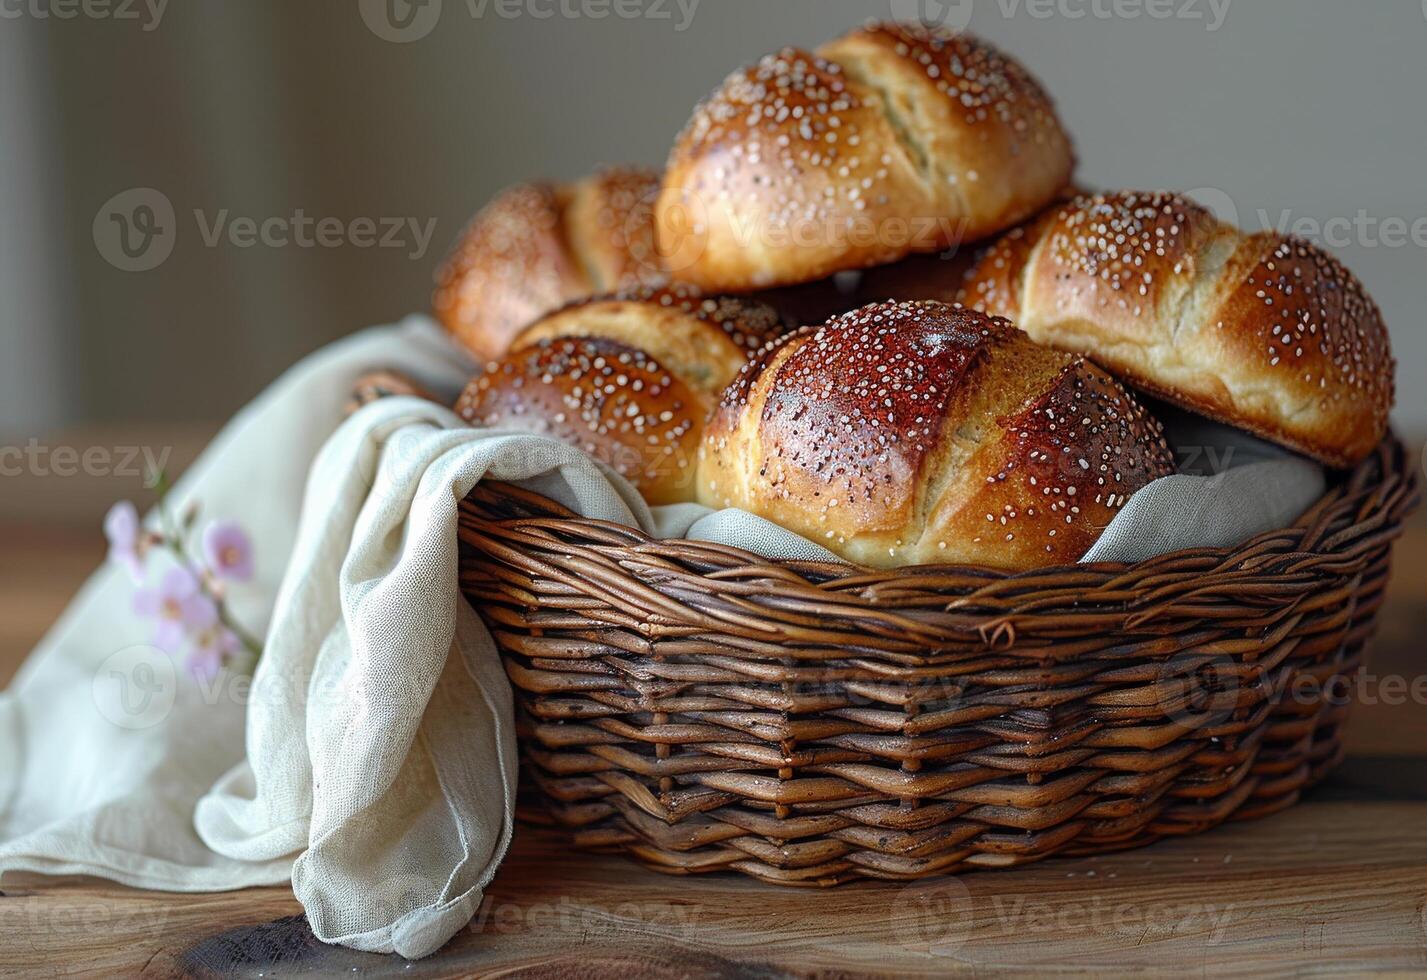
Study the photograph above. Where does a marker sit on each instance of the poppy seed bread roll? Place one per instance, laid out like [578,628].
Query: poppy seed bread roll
[914,433]
[1263,331]
[631,379]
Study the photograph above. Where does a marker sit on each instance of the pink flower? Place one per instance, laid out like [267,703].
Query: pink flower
[121,527]
[212,646]
[228,551]
[180,605]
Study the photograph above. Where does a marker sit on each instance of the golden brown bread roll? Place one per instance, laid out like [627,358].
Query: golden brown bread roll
[630,379]
[890,140]
[1263,331]
[538,246]
[912,433]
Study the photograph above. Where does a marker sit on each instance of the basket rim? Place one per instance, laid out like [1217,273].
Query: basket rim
[1385,486]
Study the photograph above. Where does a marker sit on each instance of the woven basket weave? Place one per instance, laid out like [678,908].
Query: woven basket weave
[705,709]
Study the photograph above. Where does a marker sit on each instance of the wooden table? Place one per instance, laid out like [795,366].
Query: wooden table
[1336,884]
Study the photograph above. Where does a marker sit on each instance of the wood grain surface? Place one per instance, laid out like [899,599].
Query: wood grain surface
[1337,884]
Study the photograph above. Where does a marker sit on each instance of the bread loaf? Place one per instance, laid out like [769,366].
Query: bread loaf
[631,379]
[1263,331]
[891,140]
[538,246]
[911,433]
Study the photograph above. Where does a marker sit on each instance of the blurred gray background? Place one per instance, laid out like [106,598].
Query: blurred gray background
[1310,115]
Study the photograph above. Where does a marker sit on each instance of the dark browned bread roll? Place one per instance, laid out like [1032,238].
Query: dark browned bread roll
[912,433]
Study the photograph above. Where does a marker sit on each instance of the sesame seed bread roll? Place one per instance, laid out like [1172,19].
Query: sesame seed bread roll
[1262,331]
[538,246]
[915,433]
[891,140]
[631,379]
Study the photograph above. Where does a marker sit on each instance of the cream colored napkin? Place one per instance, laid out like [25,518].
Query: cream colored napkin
[371,761]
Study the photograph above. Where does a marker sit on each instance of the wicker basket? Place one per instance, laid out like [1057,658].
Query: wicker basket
[705,709]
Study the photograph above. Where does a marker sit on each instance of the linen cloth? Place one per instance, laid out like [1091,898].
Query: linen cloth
[371,761]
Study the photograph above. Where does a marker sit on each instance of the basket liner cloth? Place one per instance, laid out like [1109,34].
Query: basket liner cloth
[372,761]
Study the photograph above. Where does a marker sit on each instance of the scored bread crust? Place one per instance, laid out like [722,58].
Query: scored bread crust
[914,433]
[1262,331]
[703,339]
[538,246]
[613,401]
[631,379]
[890,140]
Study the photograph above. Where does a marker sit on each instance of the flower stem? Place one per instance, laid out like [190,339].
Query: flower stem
[173,540]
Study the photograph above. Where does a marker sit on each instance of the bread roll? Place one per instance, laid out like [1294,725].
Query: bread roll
[912,433]
[1263,331]
[891,140]
[538,246]
[631,379]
